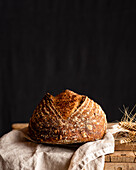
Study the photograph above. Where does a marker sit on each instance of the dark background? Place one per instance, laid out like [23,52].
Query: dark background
[48,46]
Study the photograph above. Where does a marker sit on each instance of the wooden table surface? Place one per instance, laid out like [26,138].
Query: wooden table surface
[124,157]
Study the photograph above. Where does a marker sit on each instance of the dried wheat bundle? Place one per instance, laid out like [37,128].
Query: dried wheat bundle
[128,122]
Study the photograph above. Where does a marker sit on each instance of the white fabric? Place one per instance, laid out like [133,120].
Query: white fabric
[17,153]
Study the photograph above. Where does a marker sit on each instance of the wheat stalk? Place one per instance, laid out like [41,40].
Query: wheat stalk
[128,122]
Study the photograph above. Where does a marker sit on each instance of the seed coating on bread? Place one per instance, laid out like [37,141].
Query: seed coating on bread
[66,119]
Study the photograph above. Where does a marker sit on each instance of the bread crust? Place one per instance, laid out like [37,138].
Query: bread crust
[66,119]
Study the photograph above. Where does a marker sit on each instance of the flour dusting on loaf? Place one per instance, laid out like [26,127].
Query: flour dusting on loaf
[66,119]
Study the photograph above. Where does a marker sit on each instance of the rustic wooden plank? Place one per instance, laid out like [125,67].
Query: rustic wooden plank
[122,156]
[120,166]
[126,147]
[107,158]
[18,126]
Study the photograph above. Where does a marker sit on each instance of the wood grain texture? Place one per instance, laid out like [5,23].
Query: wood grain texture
[120,166]
[125,146]
[18,126]
[107,158]
[121,156]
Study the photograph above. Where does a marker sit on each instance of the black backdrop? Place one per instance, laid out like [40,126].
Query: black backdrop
[48,46]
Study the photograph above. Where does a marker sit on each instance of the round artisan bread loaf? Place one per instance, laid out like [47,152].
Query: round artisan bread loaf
[66,119]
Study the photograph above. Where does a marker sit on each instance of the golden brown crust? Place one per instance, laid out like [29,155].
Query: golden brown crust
[67,118]
[67,102]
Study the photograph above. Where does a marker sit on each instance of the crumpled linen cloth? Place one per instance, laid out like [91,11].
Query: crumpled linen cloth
[17,153]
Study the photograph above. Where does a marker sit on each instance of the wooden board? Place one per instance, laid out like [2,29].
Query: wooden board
[120,166]
[121,156]
[125,147]
[18,126]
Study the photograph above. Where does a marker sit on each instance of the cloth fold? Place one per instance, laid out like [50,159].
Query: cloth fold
[18,153]
[92,154]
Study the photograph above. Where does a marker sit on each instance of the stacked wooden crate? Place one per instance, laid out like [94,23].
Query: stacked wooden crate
[124,157]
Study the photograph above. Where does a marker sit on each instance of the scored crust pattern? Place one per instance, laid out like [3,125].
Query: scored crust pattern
[67,118]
